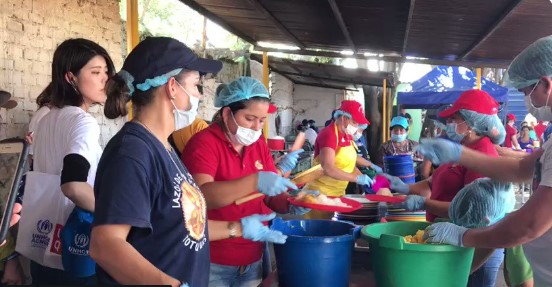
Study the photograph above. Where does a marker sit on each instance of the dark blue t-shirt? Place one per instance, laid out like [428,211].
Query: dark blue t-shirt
[140,183]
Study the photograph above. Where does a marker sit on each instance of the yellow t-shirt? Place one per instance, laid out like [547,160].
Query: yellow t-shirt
[182,136]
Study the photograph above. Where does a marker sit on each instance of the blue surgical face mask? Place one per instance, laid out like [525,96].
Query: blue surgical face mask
[398,138]
[452,134]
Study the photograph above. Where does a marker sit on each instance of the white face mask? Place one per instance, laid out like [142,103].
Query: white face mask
[351,130]
[194,102]
[244,136]
[184,118]
[543,113]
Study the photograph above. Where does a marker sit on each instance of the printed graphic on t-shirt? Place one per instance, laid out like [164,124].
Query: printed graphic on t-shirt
[259,165]
[193,207]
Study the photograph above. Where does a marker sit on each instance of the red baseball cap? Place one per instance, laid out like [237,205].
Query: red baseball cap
[355,110]
[272,108]
[472,100]
[511,117]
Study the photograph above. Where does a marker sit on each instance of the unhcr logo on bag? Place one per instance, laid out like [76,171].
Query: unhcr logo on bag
[41,239]
[81,240]
[81,245]
[44,226]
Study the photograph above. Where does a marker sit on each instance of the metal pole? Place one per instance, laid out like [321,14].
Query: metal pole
[132,34]
[265,82]
[478,73]
[384,112]
[389,112]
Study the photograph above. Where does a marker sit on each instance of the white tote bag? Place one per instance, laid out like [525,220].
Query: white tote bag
[45,211]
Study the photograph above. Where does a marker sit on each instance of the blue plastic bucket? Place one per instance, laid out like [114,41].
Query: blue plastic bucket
[401,166]
[317,253]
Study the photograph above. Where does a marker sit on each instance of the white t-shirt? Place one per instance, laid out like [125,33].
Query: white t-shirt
[311,135]
[66,131]
[33,125]
[539,251]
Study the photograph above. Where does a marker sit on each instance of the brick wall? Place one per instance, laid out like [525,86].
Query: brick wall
[30,30]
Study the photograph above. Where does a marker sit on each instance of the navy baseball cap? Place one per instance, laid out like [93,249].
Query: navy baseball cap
[156,57]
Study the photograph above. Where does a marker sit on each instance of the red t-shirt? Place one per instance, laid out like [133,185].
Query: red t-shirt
[327,138]
[448,179]
[210,152]
[510,131]
[539,130]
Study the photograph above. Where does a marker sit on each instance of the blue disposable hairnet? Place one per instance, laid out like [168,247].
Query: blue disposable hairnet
[339,113]
[363,127]
[488,125]
[157,81]
[241,89]
[481,203]
[531,64]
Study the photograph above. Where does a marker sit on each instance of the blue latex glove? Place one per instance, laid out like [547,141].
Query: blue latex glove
[364,180]
[445,232]
[298,210]
[439,151]
[396,184]
[184,285]
[413,203]
[254,229]
[289,161]
[376,168]
[272,184]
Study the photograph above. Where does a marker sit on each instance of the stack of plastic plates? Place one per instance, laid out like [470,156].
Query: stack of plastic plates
[403,215]
[366,215]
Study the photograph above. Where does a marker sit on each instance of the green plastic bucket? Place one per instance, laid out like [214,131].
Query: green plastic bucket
[400,264]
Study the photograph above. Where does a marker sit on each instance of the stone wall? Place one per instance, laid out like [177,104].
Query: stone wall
[229,72]
[281,92]
[30,30]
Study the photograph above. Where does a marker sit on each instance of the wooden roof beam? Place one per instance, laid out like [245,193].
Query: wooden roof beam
[262,9]
[299,71]
[392,59]
[491,29]
[323,86]
[408,24]
[318,78]
[341,23]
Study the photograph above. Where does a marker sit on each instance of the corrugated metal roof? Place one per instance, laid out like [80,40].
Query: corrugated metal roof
[326,75]
[459,31]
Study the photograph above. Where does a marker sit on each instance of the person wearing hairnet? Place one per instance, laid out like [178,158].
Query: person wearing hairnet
[399,144]
[151,223]
[336,152]
[482,203]
[530,72]
[471,121]
[229,160]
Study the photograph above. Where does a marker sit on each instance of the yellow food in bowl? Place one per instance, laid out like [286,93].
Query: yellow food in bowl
[418,238]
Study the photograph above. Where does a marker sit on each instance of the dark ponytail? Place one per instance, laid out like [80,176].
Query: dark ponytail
[45,96]
[118,96]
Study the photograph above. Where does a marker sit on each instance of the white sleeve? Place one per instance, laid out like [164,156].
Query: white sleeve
[84,137]
[546,169]
[33,125]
